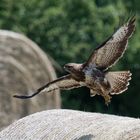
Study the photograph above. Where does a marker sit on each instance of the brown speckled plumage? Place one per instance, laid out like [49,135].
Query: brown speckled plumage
[93,73]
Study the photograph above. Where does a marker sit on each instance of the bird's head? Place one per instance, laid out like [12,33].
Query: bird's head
[72,67]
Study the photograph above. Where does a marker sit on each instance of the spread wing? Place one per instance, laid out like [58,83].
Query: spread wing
[113,48]
[65,82]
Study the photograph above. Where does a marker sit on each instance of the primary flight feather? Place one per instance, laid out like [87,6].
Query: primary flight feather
[93,73]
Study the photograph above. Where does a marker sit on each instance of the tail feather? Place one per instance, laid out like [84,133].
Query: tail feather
[119,81]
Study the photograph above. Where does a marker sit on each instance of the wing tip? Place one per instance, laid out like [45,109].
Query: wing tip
[26,96]
[131,23]
[132,18]
[21,97]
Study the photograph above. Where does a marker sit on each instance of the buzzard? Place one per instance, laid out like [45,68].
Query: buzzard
[94,72]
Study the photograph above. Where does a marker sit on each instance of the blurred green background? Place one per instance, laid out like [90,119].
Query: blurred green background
[68,30]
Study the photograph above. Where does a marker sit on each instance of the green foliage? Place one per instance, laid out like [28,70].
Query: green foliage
[68,30]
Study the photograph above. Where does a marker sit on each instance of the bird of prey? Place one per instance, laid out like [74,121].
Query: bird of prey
[94,73]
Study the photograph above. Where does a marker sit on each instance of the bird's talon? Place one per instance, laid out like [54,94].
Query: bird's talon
[107,100]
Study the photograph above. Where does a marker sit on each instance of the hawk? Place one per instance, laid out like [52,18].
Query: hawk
[94,72]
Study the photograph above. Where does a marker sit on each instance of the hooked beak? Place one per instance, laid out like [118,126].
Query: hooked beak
[67,68]
[64,67]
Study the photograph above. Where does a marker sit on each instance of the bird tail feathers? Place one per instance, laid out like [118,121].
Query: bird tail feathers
[118,81]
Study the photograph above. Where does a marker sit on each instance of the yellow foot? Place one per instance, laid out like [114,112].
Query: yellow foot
[107,99]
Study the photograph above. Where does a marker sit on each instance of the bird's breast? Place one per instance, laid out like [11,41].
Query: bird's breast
[92,75]
[89,80]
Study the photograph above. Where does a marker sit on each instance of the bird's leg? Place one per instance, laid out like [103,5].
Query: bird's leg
[104,92]
[105,95]
[107,99]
